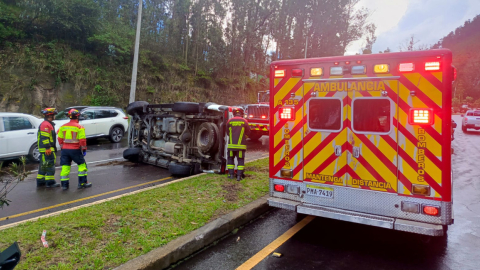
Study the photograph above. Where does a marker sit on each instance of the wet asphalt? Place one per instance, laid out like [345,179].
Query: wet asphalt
[332,244]
[107,171]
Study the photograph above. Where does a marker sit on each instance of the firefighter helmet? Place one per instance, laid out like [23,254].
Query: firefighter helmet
[238,112]
[49,111]
[73,114]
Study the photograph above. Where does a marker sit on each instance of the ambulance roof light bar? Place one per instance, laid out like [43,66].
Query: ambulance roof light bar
[406,67]
[432,66]
[279,73]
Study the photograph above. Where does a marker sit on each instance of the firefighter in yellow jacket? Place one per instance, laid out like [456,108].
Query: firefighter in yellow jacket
[238,130]
[47,148]
[73,142]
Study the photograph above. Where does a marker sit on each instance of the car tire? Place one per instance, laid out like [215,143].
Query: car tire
[207,137]
[464,129]
[186,107]
[254,136]
[180,169]
[33,154]
[136,107]
[116,134]
[132,154]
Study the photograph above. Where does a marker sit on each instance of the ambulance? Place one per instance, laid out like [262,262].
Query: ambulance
[364,139]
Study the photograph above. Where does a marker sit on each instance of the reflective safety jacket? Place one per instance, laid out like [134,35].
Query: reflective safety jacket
[238,129]
[72,136]
[46,136]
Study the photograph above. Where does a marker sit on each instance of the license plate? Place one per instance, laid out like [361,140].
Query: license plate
[324,192]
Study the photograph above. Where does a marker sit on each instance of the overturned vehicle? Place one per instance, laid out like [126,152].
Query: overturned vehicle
[184,137]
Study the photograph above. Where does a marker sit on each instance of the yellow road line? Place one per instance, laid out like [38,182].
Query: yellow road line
[275,244]
[83,199]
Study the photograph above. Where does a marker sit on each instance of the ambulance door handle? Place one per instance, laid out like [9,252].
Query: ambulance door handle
[356,152]
[338,150]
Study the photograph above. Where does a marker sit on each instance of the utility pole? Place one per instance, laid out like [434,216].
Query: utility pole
[133,85]
[306,44]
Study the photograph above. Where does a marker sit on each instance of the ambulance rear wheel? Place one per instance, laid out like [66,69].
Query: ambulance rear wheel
[254,136]
[136,107]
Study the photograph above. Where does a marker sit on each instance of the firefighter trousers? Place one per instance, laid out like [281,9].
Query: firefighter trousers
[69,155]
[46,168]
[240,155]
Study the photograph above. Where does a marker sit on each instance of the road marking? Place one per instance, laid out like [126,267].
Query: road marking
[275,244]
[93,162]
[83,199]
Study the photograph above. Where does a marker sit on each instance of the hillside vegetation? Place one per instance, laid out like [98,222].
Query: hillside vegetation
[69,52]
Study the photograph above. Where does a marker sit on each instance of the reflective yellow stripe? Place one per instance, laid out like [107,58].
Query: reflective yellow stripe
[236,146]
[71,141]
[230,135]
[46,134]
[240,167]
[46,141]
[241,136]
[230,166]
[240,154]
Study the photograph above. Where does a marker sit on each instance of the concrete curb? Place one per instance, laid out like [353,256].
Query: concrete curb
[11,225]
[186,245]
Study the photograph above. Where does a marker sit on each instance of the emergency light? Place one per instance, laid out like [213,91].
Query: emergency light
[336,71]
[357,70]
[279,73]
[406,67]
[383,68]
[431,210]
[432,66]
[279,188]
[264,117]
[316,72]
[421,117]
[287,113]
[297,72]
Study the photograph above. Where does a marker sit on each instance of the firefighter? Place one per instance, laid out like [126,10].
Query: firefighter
[238,129]
[47,147]
[73,142]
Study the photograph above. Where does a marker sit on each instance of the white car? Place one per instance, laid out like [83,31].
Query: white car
[18,136]
[99,122]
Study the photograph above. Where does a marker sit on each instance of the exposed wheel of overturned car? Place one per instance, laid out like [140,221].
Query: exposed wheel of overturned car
[136,107]
[180,169]
[208,137]
[132,154]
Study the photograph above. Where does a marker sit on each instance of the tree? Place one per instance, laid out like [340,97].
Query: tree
[469,101]
[9,178]
[370,39]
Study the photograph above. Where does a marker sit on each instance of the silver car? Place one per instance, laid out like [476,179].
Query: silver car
[471,119]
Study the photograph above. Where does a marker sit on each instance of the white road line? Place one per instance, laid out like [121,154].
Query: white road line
[92,162]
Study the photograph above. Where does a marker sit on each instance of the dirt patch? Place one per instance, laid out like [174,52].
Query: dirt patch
[117,162]
[258,169]
[231,190]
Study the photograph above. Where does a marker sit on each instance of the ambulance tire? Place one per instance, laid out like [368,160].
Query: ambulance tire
[132,154]
[254,136]
[186,107]
[208,137]
[136,107]
[180,169]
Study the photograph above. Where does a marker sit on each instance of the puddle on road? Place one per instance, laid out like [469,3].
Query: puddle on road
[117,162]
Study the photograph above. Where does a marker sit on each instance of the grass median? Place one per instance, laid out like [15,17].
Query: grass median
[106,235]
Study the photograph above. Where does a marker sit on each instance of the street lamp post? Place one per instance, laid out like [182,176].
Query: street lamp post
[133,85]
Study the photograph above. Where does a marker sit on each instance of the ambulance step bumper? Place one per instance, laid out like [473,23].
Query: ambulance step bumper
[357,217]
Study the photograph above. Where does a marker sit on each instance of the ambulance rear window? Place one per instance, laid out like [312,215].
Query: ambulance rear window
[371,115]
[325,114]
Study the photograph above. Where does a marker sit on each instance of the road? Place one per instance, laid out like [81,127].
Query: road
[109,173]
[331,244]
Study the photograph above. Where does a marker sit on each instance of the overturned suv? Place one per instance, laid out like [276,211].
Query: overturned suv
[185,137]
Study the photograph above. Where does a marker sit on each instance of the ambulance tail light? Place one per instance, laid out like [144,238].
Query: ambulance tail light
[279,73]
[421,117]
[264,117]
[431,210]
[406,67]
[287,113]
[420,190]
[286,173]
[432,66]
[279,188]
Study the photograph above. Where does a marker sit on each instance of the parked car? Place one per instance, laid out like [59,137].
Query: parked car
[471,119]
[18,136]
[185,137]
[99,122]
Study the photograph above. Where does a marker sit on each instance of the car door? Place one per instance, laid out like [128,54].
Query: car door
[20,135]
[103,121]
[88,122]
[3,140]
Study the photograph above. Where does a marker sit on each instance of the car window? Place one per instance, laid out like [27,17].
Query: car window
[61,116]
[99,114]
[477,113]
[88,115]
[325,114]
[16,123]
[371,115]
[113,113]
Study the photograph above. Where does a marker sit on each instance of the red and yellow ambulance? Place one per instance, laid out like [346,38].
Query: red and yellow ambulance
[364,138]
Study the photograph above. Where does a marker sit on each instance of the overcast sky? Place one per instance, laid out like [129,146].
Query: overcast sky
[428,20]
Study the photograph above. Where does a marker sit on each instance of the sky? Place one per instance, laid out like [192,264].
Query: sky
[427,20]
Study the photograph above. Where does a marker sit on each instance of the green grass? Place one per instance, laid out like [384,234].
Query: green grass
[106,235]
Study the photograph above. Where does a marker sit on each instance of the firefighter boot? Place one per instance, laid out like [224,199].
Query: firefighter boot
[51,184]
[231,174]
[83,183]
[40,182]
[239,175]
[65,184]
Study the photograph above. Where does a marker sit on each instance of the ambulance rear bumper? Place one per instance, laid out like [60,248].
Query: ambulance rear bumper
[357,217]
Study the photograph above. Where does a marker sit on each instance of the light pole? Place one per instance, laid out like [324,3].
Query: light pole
[133,85]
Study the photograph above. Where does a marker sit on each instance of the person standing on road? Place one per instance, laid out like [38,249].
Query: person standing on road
[238,129]
[47,147]
[73,142]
